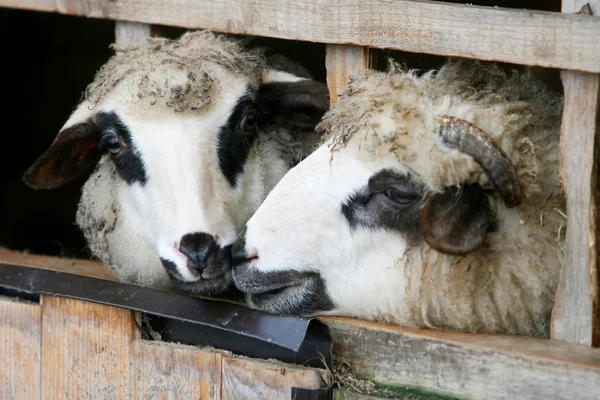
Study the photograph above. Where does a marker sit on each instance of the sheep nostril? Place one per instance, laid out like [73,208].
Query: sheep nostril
[252,254]
[197,247]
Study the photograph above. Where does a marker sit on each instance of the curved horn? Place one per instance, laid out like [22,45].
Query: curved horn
[462,135]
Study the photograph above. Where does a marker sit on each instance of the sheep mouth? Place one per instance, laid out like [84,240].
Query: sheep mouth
[282,292]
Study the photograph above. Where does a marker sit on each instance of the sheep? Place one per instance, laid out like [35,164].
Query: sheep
[183,139]
[434,202]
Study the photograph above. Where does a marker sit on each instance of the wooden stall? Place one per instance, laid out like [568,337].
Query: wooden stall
[56,347]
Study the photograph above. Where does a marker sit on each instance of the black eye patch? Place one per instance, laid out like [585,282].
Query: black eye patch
[389,201]
[233,147]
[128,162]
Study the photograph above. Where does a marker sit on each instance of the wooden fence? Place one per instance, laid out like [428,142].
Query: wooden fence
[485,366]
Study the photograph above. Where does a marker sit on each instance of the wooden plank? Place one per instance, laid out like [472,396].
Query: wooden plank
[510,35]
[460,364]
[131,34]
[165,370]
[20,349]
[85,352]
[576,314]
[89,268]
[342,62]
[249,379]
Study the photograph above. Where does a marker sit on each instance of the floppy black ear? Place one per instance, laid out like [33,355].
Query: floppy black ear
[298,104]
[73,152]
[456,222]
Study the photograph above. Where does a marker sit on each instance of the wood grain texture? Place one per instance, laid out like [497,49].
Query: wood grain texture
[249,379]
[85,350]
[20,349]
[131,34]
[510,35]
[576,315]
[89,268]
[460,364]
[164,370]
[343,62]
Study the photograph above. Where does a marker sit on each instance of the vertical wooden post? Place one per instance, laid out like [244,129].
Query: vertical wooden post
[85,350]
[342,62]
[576,315]
[129,34]
[20,349]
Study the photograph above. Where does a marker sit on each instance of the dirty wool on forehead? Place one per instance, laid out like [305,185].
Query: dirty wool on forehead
[176,73]
[387,181]
[397,112]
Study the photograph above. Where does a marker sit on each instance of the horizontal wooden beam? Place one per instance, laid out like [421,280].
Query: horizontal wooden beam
[93,269]
[510,35]
[470,365]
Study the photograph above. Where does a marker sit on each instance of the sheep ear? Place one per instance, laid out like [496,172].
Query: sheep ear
[299,103]
[456,222]
[73,152]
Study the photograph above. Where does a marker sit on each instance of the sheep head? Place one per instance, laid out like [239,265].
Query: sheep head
[422,197]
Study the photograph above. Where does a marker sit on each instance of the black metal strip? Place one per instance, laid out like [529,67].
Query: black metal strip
[311,394]
[178,317]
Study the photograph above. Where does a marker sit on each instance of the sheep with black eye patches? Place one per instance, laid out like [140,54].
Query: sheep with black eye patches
[185,139]
[435,201]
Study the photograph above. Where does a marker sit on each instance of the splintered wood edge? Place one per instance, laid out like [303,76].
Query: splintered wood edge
[547,39]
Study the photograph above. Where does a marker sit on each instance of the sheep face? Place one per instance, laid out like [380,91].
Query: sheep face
[392,219]
[184,153]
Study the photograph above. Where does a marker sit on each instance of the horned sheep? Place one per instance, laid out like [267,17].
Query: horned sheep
[435,201]
[185,139]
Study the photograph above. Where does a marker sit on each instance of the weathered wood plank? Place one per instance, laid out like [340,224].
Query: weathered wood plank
[85,352]
[165,370]
[474,366]
[89,268]
[576,315]
[510,35]
[20,349]
[131,34]
[249,379]
[343,62]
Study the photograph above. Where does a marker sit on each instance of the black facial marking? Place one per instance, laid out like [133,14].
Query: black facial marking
[234,146]
[217,285]
[283,292]
[372,208]
[128,162]
[198,248]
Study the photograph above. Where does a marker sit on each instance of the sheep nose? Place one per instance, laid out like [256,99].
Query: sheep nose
[197,247]
[238,250]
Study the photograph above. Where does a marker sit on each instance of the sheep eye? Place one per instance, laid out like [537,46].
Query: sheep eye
[248,123]
[112,142]
[400,196]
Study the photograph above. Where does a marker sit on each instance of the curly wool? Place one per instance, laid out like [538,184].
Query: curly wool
[515,110]
[178,73]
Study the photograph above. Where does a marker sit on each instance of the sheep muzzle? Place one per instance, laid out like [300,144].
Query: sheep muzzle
[462,135]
